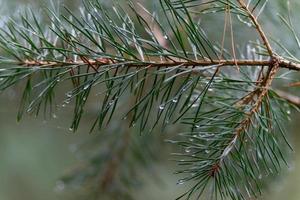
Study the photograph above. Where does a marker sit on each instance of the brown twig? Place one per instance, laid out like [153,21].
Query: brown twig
[258,27]
[259,94]
[191,63]
[295,84]
[256,97]
[295,100]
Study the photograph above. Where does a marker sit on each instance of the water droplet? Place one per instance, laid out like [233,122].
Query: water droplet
[288,112]
[69,94]
[259,155]
[260,176]
[191,140]
[197,126]
[54,116]
[29,109]
[166,37]
[67,101]
[71,129]
[175,100]
[195,105]
[180,182]
[86,87]
[207,151]
[58,80]
[161,107]
[111,103]
[210,89]
[187,150]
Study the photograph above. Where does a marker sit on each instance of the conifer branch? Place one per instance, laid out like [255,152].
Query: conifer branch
[283,63]
[172,74]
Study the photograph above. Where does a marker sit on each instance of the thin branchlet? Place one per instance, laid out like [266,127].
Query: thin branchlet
[256,97]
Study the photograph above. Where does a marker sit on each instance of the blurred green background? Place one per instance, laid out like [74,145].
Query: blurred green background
[36,152]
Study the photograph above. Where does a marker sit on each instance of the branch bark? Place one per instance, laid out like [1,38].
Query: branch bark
[283,63]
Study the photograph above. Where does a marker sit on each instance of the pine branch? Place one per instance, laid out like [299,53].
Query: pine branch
[283,63]
[173,72]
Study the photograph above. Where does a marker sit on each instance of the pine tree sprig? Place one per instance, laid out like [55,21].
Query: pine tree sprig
[153,64]
[154,70]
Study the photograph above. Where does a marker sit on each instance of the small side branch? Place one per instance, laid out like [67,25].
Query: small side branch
[257,97]
[295,100]
[258,27]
